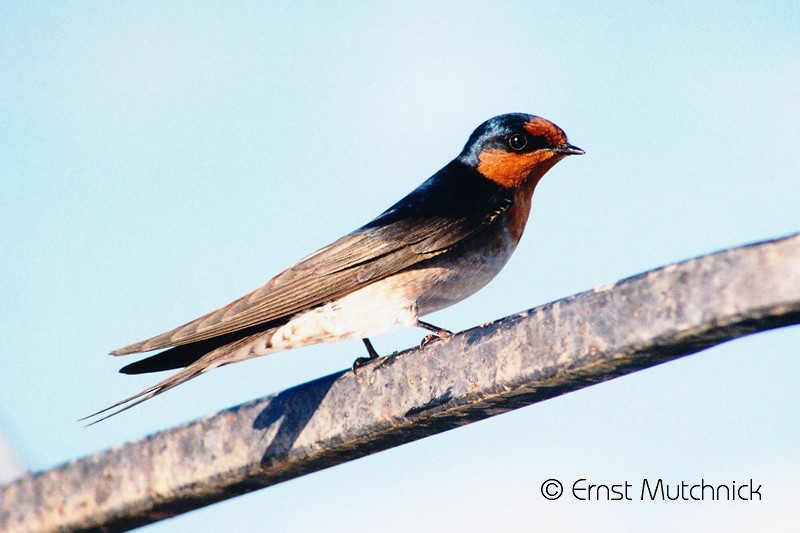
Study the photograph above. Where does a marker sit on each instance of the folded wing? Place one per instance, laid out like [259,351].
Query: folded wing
[440,214]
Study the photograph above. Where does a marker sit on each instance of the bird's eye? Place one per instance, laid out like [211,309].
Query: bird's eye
[517,141]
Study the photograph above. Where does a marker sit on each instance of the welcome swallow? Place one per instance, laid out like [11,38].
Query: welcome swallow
[441,243]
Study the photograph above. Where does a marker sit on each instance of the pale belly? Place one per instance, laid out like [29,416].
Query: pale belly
[396,300]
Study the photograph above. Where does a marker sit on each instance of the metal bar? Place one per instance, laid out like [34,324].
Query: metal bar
[522,359]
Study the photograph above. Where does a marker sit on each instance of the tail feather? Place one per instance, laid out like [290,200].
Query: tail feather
[163,386]
[199,363]
[178,357]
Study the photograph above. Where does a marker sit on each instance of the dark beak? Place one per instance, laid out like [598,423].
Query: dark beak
[568,149]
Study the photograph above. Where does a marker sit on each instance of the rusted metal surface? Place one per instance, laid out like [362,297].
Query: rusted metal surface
[517,361]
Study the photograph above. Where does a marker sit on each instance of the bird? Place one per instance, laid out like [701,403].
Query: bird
[436,246]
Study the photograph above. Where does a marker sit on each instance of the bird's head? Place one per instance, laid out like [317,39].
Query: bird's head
[516,149]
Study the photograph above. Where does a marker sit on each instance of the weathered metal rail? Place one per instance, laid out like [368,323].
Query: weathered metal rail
[522,359]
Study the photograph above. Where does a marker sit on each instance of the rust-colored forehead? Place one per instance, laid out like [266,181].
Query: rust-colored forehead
[540,127]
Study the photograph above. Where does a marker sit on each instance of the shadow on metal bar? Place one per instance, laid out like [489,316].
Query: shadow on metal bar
[535,355]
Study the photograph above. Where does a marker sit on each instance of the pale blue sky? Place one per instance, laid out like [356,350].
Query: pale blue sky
[158,161]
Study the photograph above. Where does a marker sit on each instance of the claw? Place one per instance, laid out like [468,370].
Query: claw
[361,361]
[427,339]
[433,338]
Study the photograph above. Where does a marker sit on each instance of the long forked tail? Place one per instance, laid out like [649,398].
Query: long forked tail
[192,371]
[218,356]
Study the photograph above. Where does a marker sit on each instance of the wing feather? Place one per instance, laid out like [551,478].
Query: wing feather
[414,230]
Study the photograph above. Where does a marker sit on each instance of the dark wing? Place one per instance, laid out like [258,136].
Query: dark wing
[451,206]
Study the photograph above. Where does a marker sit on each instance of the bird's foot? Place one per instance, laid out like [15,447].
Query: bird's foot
[438,333]
[433,338]
[427,339]
[361,361]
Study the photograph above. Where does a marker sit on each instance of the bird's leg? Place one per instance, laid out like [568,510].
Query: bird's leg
[439,333]
[361,361]
[370,349]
